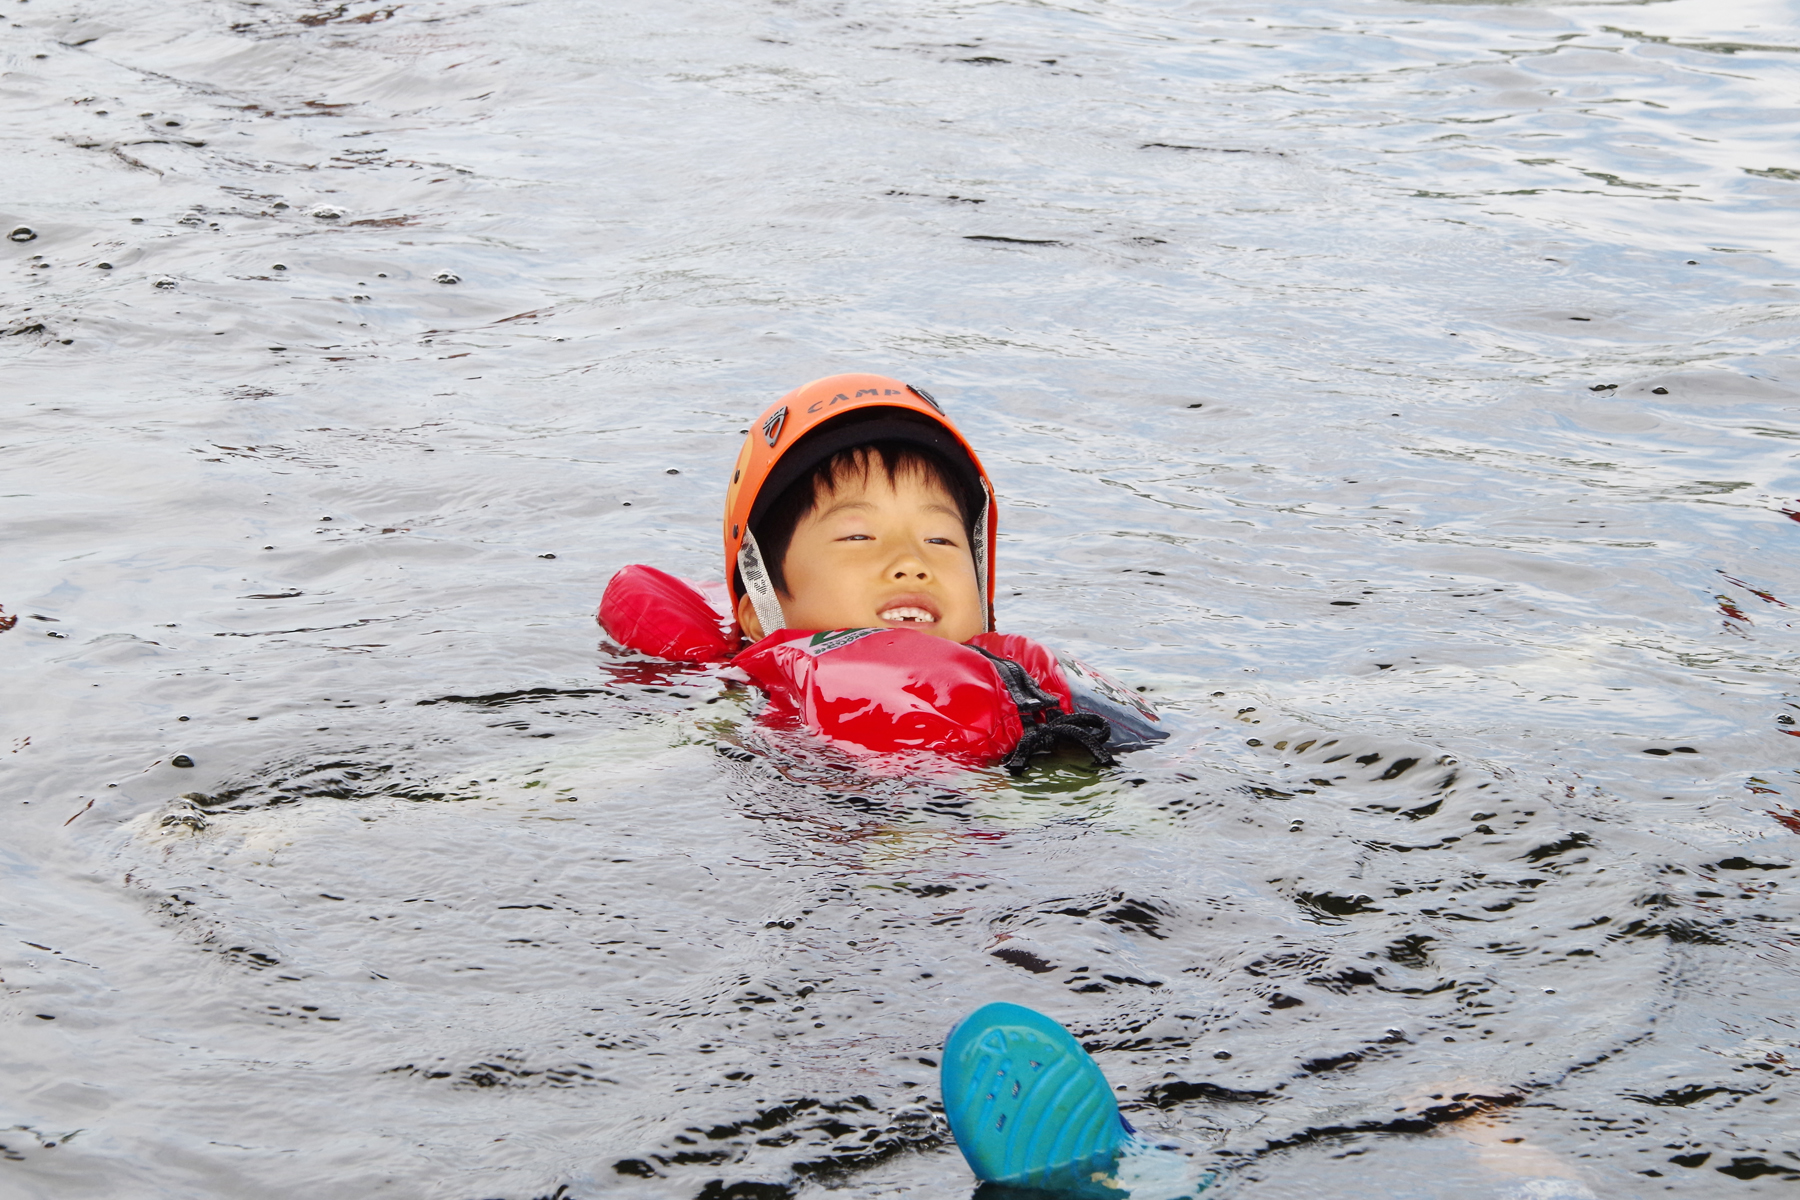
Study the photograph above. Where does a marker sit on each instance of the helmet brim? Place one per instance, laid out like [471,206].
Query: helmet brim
[859,428]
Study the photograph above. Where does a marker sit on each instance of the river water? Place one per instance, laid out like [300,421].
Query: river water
[1402,395]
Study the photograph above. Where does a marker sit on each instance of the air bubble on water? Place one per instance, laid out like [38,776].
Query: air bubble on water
[913,1117]
[192,219]
[447,277]
[24,233]
[103,266]
[162,281]
[328,212]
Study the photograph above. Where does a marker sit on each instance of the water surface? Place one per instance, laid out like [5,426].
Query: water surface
[1402,395]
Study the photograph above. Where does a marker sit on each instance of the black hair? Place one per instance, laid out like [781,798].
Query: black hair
[893,457]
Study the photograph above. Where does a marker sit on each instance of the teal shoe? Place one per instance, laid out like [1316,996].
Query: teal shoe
[1028,1107]
[1032,1114]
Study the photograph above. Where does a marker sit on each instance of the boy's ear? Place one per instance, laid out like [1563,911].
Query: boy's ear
[746,619]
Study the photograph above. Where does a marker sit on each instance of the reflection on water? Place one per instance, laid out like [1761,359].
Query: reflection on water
[1399,393]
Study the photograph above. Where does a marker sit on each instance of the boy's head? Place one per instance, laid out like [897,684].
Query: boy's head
[879,534]
[856,503]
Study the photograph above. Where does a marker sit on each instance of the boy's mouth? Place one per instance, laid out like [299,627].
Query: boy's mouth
[909,610]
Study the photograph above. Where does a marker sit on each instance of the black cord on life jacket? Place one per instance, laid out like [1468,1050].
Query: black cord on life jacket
[1044,720]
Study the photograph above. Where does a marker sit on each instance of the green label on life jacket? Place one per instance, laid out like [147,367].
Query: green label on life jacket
[835,639]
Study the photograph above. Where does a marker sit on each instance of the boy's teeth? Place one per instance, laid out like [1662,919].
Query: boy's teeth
[906,614]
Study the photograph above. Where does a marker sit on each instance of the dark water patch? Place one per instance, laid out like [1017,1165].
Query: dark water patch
[1689,1094]
[1181,1092]
[1424,810]
[341,14]
[744,1189]
[1413,950]
[1676,929]
[1397,768]
[1018,956]
[1326,904]
[301,779]
[811,1138]
[1015,241]
[1563,845]
[532,695]
[507,1071]
[1316,1066]
[243,956]
[1344,981]
[1739,863]
[1754,1166]
[1444,1110]
[1210,149]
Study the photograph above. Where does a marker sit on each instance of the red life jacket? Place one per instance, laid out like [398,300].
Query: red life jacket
[888,690]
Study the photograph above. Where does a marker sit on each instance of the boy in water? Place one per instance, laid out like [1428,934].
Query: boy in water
[856,511]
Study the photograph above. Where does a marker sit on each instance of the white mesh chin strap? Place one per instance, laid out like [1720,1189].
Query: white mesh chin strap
[758,587]
[983,554]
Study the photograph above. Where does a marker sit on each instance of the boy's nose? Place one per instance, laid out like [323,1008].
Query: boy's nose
[908,565]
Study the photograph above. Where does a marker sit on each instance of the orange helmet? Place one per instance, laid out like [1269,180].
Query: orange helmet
[808,426]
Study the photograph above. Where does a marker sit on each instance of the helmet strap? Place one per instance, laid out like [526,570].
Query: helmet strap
[984,553]
[758,587]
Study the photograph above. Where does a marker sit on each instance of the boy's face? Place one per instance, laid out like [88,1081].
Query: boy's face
[880,553]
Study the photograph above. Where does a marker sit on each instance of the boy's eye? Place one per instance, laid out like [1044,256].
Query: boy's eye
[941,541]
[858,537]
